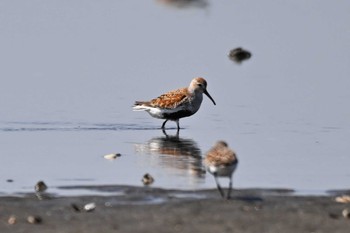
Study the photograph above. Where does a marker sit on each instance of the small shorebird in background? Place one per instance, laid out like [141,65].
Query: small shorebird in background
[176,104]
[221,161]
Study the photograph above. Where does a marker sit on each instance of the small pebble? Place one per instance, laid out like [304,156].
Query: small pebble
[238,55]
[9,180]
[112,156]
[40,186]
[75,207]
[108,204]
[90,207]
[34,219]
[12,220]
[333,215]
[147,179]
[346,213]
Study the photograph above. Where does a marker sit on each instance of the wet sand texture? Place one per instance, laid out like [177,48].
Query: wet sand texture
[245,212]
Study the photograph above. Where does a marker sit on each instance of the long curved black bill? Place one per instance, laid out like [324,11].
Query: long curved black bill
[207,94]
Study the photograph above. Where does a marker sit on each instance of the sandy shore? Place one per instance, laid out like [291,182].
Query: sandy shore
[138,209]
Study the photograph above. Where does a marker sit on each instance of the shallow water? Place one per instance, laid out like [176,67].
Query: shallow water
[71,72]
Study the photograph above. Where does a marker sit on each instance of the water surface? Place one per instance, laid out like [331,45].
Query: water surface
[72,70]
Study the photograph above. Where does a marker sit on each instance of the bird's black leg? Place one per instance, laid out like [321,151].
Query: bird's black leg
[218,185]
[163,125]
[178,124]
[229,189]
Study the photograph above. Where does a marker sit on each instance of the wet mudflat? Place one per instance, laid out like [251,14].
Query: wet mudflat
[249,210]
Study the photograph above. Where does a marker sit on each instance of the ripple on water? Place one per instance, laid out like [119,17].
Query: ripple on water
[68,126]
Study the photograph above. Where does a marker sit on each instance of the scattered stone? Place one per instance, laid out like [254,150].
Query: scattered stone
[108,204]
[343,199]
[75,207]
[346,213]
[12,220]
[112,156]
[246,208]
[147,179]
[333,215]
[34,219]
[90,207]
[238,55]
[40,186]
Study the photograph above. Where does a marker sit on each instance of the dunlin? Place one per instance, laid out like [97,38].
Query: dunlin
[221,161]
[40,186]
[147,179]
[176,104]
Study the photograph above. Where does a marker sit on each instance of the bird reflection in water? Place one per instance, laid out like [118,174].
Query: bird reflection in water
[174,152]
[185,3]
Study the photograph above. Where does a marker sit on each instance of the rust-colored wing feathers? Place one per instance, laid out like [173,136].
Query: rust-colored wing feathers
[171,99]
[221,156]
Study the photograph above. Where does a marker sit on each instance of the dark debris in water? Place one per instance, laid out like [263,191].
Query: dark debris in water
[185,3]
[239,55]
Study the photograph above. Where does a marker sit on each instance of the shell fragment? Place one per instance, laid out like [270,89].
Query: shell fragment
[112,156]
